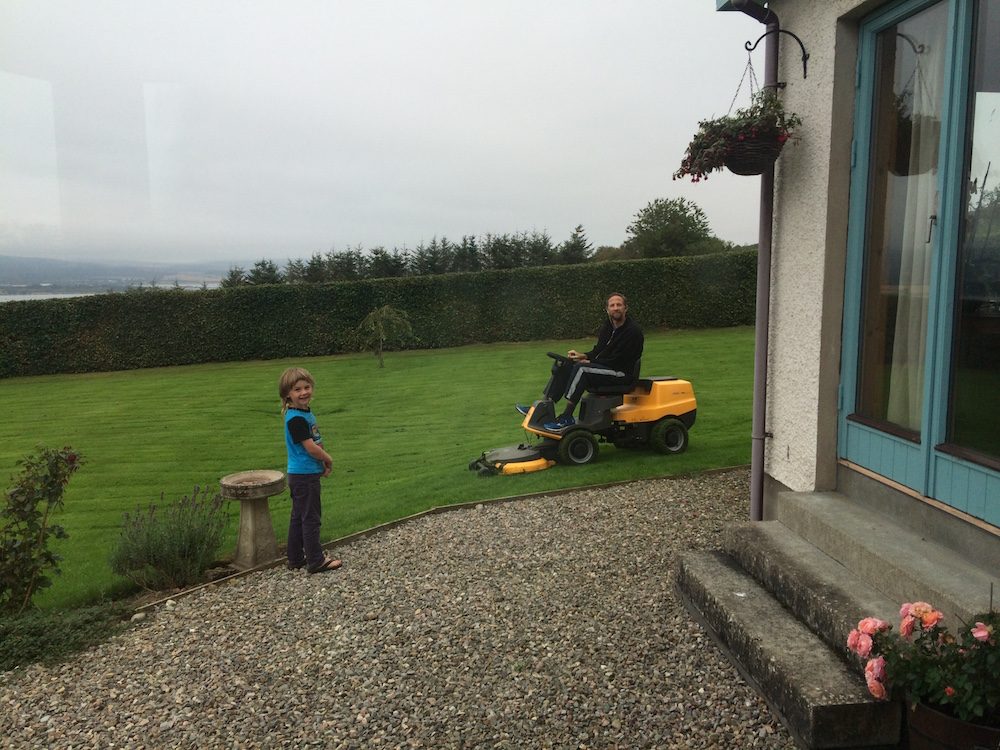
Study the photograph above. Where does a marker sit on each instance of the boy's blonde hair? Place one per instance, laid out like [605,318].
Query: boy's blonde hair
[289,378]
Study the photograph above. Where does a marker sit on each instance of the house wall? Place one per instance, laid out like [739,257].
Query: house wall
[809,247]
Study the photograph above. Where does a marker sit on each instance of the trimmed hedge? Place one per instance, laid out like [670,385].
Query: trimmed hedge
[152,328]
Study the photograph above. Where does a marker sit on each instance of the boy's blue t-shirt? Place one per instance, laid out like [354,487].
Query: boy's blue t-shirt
[299,461]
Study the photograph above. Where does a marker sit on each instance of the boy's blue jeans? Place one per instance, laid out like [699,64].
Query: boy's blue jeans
[303,529]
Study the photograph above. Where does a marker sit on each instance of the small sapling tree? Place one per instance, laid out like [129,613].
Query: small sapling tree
[26,525]
[384,327]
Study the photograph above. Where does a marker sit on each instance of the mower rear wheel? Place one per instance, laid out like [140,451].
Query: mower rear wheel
[579,447]
[669,436]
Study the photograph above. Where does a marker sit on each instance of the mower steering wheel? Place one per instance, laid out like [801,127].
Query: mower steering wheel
[559,357]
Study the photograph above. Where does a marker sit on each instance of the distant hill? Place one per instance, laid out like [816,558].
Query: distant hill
[18,272]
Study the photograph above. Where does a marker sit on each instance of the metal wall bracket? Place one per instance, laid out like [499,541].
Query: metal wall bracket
[805,55]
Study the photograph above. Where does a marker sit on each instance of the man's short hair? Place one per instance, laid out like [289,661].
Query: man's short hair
[615,294]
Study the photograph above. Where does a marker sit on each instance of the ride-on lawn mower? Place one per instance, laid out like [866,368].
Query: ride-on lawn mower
[652,412]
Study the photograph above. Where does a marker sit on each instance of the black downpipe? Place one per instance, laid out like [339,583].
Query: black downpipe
[758,430]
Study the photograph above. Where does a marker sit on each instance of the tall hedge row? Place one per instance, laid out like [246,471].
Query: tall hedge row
[170,327]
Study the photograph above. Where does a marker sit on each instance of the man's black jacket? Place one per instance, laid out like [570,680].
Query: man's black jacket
[619,348]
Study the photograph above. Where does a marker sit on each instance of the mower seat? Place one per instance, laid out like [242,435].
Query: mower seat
[618,389]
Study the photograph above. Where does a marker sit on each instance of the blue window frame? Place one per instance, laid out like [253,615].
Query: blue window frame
[906,382]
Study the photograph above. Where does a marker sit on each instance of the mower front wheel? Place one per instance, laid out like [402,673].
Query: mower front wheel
[669,436]
[577,448]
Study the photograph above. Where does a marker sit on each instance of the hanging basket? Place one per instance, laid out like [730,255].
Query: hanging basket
[927,130]
[752,157]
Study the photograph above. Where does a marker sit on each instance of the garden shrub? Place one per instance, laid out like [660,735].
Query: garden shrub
[26,518]
[153,328]
[170,545]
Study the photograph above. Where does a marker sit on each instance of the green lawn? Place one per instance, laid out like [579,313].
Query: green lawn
[401,437]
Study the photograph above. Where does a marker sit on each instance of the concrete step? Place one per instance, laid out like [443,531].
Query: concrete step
[824,703]
[827,597]
[902,564]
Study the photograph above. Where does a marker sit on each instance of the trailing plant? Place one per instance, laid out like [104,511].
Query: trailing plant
[765,120]
[384,327]
[51,636]
[34,495]
[170,545]
[957,674]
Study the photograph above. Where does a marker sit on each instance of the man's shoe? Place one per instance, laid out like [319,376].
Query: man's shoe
[560,424]
[522,409]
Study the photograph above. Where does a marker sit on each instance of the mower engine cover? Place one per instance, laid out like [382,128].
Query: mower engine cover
[514,459]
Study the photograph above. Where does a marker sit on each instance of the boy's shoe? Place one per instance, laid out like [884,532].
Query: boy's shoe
[328,564]
[522,409]
[560,424]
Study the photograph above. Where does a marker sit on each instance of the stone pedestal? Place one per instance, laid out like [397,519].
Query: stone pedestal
[256,544]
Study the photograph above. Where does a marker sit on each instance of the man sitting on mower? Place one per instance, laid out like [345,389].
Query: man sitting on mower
[612,361]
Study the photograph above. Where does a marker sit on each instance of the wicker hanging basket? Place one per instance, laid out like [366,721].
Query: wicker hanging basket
[752,157]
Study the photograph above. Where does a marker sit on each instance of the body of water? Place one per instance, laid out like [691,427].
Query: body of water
[41,295]
[60,295]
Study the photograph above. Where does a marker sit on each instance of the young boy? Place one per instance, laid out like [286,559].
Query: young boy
[307,462]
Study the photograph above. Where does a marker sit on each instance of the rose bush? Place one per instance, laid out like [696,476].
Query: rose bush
[956,674]
[26,526]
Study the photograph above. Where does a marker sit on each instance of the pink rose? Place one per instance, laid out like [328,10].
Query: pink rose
[949,691]
[876,668]
[872,625]
[875,687]
[906,626]
[864,645]
[904,611]
[982,632]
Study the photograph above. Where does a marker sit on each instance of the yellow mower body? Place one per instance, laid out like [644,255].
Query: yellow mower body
[665,398]
[525,467]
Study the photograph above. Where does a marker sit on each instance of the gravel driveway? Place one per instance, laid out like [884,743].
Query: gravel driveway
[548,622]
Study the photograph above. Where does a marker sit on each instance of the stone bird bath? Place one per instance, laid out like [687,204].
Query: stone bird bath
[256,544]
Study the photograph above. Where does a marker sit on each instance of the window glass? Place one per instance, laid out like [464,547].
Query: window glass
[975,382]
[902,215]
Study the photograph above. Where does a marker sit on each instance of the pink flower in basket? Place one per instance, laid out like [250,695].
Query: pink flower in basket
[982,632]
[957,674]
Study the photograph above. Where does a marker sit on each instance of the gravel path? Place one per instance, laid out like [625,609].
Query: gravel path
[549,622]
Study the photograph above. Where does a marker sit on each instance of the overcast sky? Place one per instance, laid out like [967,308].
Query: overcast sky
[242,129]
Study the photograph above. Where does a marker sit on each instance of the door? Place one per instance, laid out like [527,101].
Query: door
[920,396]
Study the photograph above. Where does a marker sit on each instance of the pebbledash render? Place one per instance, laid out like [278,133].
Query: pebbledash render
[884,320]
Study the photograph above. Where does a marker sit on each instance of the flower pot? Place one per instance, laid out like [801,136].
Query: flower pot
[752,157]
[930,729]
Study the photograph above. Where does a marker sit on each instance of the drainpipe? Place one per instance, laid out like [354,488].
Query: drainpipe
[758,430]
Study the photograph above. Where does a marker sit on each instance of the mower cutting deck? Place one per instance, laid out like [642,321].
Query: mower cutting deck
[652,413]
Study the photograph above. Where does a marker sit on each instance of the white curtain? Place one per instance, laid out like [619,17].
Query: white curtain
[906,372]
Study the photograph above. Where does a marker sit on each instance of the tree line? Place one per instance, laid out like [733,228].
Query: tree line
[664,228]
